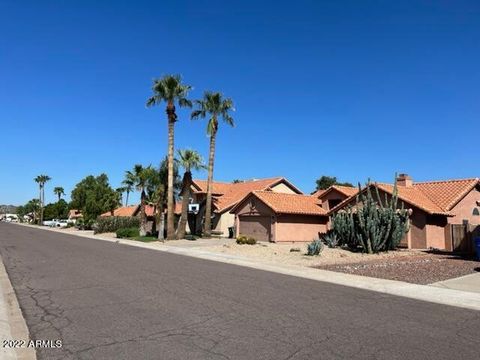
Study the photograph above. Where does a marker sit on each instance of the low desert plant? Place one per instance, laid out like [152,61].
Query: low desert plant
[315,248]
[82,224]
[331,239]
[242,240]
[113,223]
[128,232]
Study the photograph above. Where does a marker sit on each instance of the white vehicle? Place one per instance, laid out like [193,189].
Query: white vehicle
[48,222]
[56,223]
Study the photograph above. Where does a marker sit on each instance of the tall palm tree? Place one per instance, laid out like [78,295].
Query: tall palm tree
[120,190]
[142,176]
[128,184]
[189,160]
[41,180]
[58,190]
[157,192]
[214,106]
[170,90]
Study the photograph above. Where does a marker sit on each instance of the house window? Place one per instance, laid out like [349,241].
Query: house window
[333,202]
[476,212]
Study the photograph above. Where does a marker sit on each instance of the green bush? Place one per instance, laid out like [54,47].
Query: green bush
[81,224]
[113,223]
[127,232]
[242,240]
[315,248]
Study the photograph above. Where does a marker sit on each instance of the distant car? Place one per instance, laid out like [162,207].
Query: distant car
[56,223]
[49,222]
[60,223]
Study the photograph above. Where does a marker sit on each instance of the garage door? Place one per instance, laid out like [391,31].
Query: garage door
[257,227]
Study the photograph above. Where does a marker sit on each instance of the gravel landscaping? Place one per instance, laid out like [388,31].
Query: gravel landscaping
[424,269]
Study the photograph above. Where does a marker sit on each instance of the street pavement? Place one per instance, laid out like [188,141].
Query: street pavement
[111,301]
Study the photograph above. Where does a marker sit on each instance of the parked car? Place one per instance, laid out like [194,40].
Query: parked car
[56,223]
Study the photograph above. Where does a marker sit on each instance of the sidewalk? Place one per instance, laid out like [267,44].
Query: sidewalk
[434,294]
[469,283]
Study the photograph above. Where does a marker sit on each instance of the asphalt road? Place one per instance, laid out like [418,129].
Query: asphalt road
[111,301]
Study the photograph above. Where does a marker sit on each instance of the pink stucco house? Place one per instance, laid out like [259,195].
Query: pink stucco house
[227,194]
[435,206]
[280,217]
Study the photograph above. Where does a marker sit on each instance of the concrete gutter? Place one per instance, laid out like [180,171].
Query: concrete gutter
[438,295]
[12,323]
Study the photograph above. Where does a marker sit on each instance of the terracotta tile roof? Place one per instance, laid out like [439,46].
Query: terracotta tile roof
[229,194]
[447,194]
[434,197]
[346,190]
[122,211]
[131,210]
[318,193]
[415,197]
[291,203]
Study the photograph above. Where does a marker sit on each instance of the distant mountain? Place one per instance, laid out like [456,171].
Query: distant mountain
[9,209]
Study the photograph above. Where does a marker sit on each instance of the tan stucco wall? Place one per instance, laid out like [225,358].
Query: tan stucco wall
[283,188]
[435,232]
[332,195]
[226,220]
[299,228]
[464,209]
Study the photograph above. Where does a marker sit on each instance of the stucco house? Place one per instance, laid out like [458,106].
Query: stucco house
[226,195]
[280,217]
[334,195]
[150,212]
[74,215]
[435,206]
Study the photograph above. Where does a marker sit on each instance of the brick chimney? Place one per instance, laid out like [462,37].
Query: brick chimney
[404,180]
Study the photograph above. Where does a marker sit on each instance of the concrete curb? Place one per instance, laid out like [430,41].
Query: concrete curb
[458,298]
[12,323]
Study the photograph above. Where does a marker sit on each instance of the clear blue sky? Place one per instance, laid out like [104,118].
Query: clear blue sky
[354,89]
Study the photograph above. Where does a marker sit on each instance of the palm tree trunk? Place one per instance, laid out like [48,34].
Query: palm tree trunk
[40,199]
[207,231]
[42,205]
[159,219]
[182,224]
[143,218]
[170,204]
[126,201]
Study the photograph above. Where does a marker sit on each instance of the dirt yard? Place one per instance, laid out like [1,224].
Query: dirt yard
[425,268]
[281,253]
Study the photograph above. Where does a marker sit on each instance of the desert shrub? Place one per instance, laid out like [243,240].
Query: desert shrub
[315,248]
[128,232]
[113,223]
[330,238]
[242,240]
[83,224]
